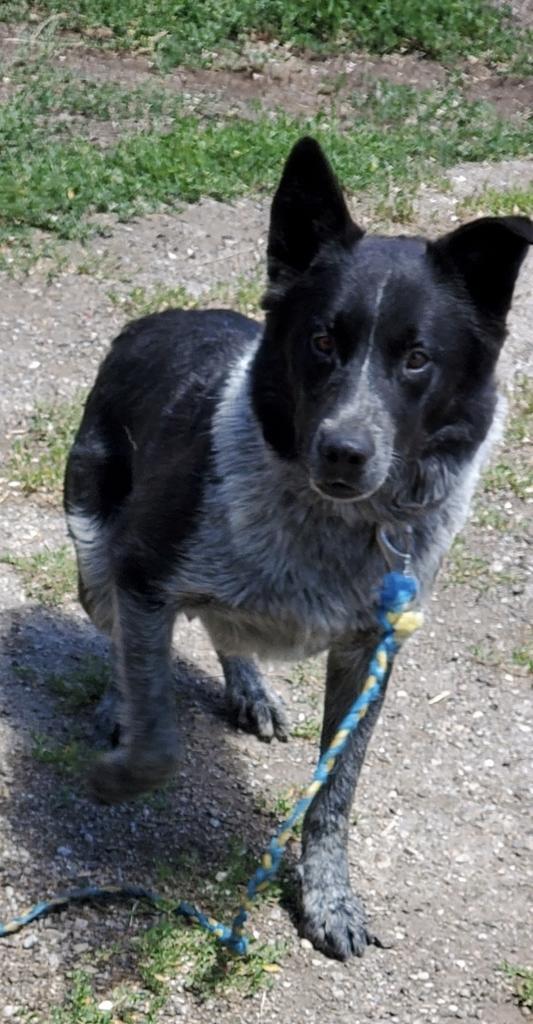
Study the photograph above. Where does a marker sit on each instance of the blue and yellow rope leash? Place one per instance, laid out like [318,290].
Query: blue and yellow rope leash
[397,620]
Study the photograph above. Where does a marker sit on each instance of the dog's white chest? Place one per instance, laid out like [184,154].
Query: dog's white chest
[278,581]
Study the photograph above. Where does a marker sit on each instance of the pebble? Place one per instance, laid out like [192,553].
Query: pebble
[305,944]
[105,1006]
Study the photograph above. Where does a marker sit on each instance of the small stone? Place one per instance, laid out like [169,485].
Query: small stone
[64,851]
[9,1011]
[29,941]
[105,1006]
[305,944]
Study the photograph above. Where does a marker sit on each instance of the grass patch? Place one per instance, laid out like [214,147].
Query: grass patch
[309,729]
[505,478]
[174,946]
[491,519]
[37,460]
[399,135]
[523,984]
[523,657]
[465,567]
[500,203]
[66,758]
[82,687]
[520,426]
[243,295]
[185,30]
[513,474]
[48,576]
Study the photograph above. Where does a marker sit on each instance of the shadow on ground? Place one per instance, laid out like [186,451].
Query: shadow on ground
[176,840]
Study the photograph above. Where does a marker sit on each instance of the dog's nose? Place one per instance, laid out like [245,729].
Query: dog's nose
[346,453]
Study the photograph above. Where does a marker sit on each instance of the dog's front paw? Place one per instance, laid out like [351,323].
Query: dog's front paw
[124,774]
[335,923]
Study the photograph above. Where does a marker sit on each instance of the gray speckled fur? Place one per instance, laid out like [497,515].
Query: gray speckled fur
[275,569]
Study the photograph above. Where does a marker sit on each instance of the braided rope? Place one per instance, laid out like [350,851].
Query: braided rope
[397,623]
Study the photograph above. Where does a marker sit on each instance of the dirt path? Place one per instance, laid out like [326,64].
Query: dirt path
[440,848]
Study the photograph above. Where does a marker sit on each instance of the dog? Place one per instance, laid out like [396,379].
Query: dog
[244,474]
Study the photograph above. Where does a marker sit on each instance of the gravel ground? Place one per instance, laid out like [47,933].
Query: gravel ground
[440,847]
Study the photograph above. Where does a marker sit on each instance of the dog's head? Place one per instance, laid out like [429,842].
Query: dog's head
[376,367]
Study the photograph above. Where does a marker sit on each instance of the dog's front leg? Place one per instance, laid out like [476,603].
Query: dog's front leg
[333,918]
[148,749]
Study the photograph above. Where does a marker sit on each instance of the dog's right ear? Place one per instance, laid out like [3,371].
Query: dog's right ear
[308,210]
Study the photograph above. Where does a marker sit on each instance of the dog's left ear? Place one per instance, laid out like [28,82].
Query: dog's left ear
[308,210]
[486,255]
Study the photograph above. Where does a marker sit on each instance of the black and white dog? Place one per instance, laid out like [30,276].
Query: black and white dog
[242,474]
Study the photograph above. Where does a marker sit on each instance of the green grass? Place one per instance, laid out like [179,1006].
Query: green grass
[173,947]
[81,687]
[520,426]
[500,202]
[523,984]
[179,30]
[523,657]
[37,459]
[512,473]
[48,576]
[210,970]
[66,758]
[465,567]
[80,1005]
[506,478]
[398,136]
[307,730]
[244,295]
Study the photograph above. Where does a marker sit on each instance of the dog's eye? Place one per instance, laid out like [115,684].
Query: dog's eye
[324,344]
[416,359]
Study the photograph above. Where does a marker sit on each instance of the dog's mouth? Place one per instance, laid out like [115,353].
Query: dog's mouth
[338,490]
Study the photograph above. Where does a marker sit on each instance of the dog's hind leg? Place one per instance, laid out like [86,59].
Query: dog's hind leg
[333,918]
[251,705]
[149,744]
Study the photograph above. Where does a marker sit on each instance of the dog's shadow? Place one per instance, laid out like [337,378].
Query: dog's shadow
[176,840]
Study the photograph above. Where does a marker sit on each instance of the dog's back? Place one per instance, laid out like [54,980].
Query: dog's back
[145,426]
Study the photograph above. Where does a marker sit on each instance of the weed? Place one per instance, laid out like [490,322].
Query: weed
[37,459]
[308,730]
[48,576]
[491,519]
[81,1006]
[520,426]
[243,294]
[523,983]
[67,758]
[504,478]
[523,657]
[82,687]
[187,30]
[141,302]
[496,202]
[174,946]
[486,655]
